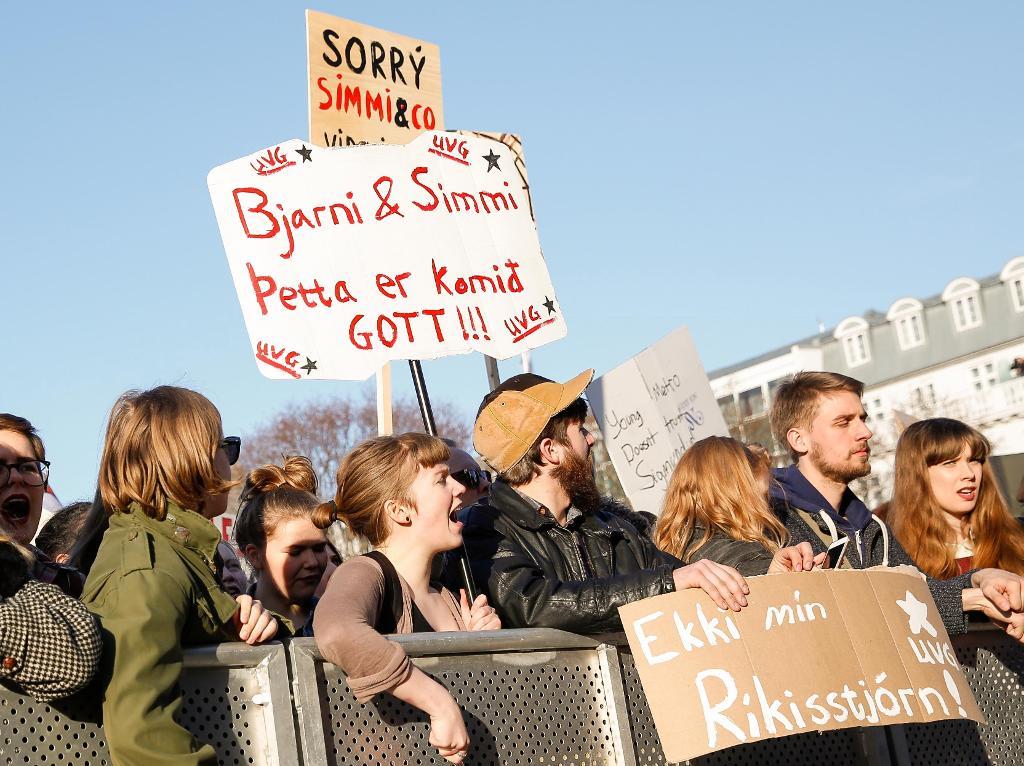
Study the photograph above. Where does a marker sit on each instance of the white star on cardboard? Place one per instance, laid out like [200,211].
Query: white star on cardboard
[917,611]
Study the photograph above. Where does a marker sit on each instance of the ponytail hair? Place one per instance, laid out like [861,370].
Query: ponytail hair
[375,472]
[272,494]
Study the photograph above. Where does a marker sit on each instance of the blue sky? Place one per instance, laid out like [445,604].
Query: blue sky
[746,169]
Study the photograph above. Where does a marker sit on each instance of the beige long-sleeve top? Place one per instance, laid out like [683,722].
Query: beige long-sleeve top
[343,627]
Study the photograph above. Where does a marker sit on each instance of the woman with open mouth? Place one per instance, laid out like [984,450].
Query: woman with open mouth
[49,643]
[23,475]
[946,508]
[396,493]
[274,530]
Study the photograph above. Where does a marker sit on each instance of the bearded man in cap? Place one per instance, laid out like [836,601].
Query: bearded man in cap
[547,548]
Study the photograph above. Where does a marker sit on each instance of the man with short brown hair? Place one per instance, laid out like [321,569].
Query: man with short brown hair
[548,549]
[820,419]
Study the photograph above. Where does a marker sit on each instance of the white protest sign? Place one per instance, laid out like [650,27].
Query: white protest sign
[650,410]
[857,648]
[346,258]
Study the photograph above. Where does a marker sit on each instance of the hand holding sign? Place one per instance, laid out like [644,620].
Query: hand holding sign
[346,258]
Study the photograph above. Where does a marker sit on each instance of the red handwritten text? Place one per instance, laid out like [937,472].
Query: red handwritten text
[272,162]
[279,358]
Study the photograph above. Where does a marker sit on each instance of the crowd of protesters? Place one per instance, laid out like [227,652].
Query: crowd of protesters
[111,592]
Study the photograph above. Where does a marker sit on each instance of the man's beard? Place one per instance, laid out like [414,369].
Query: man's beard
[843,473]
[576,476]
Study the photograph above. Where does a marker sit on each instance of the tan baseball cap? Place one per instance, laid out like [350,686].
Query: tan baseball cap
[514,414]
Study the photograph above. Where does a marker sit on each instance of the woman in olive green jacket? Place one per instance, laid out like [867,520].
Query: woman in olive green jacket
[164,473]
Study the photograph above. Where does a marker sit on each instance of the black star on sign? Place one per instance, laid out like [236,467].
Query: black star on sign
[310,365]
[492,160]
[305,153]
[549,304]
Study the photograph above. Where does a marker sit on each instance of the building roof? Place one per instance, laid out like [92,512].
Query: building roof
[943,342]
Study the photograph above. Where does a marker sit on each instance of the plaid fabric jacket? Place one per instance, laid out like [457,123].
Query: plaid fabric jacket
[49,642]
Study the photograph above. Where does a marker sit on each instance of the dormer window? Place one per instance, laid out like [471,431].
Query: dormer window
[852,334]
[906,316]
[964,301]
[1012,276]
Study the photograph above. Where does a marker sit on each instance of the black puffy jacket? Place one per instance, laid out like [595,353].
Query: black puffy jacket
[538,574]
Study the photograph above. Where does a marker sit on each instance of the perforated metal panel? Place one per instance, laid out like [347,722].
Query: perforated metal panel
[810,749]
[521,708]
[994,667]
[218,709]
[34,733]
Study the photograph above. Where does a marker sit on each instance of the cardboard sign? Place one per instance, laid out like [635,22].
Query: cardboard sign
[813,651]
[344,259]
[367,85]
[650,410]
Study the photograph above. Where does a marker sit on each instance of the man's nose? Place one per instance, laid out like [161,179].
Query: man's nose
[590,439]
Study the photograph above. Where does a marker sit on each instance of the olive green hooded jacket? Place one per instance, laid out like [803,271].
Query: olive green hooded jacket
[153,589]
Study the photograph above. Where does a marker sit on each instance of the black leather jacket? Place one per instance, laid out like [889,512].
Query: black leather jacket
[538,574]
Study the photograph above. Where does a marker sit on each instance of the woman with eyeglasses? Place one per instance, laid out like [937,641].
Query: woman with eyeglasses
[164,475]
[395,492]
[274,530]
[48,639]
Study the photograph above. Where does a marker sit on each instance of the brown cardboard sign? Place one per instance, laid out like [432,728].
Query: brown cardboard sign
[813,651]
[367,85]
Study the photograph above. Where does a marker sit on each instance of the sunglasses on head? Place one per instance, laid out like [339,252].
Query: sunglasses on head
[471,478]
[232,446]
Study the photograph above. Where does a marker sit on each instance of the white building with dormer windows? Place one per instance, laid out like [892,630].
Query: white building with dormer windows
[959,354]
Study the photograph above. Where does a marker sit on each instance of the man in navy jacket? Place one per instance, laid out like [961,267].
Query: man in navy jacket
[820,418]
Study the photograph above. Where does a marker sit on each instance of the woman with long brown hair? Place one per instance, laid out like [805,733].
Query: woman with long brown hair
[716,507]
[946,509]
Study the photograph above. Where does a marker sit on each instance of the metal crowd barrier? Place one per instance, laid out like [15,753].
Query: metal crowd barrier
[528,696]
[235,697]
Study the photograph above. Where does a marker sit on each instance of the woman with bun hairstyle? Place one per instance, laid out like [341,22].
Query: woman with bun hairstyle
[716,507]
[275,532]
[946,509]
[164,475]
[396,493]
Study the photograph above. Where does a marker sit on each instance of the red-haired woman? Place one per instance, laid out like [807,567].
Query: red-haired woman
[946,509]
[716,507]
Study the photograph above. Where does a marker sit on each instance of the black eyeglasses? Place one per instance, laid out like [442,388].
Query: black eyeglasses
[33,472]
[232,446]
[471,478]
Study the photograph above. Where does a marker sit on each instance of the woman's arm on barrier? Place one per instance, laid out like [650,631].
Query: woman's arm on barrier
[447,729]
[343,625]
[49,642]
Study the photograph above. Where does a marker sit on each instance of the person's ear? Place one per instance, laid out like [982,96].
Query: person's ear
[253,555]
[798,440]
[550,451]
[398,513]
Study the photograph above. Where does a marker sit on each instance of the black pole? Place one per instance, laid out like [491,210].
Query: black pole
[422,397]
[431,428]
